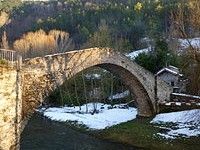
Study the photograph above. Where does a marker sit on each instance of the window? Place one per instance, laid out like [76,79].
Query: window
[176,90]
[172,83]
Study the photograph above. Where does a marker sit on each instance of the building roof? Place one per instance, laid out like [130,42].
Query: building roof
[170,69]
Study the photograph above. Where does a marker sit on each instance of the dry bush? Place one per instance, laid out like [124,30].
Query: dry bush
[62,40]
[40,43]
[4,17]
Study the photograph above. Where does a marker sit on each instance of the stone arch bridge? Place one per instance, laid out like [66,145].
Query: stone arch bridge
[42,75]
[25,87]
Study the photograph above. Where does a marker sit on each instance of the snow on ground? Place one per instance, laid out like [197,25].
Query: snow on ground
[184,123]
[186,95]
[175,124]
[119,95]
[169,70]
[185,43]
[105,118]
[93,76]
[134,54]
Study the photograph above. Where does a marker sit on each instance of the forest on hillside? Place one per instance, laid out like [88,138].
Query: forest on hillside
[126,21]
[124,25]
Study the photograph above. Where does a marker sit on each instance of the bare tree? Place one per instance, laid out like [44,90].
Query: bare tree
[62,40]
[185,23]
[4,41]
[194,17]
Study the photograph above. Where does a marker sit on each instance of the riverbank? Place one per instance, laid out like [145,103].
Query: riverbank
[42,133]
[174,131]
[141,133]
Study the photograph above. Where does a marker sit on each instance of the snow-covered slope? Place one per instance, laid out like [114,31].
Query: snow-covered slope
[184,123]
[134,54]
[185,43]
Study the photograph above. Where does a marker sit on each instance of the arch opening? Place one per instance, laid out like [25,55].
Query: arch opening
[137,90]
[93,84]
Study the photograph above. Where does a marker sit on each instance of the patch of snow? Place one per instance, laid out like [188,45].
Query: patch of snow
[185,43]
[146,40]
[119,95]
[184,132]
[166,136]
[93,76]
[186,95]
[178,103]
[134,54]
[106,117]
[187,123]
[188,104]
[174,68]
[179,117]
[169,70]
[168,104]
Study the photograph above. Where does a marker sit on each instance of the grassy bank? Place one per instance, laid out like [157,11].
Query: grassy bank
[141,133]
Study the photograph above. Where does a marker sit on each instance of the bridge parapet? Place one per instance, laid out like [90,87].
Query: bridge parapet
[8,57]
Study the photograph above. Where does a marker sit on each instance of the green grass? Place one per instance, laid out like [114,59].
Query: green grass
[141,133]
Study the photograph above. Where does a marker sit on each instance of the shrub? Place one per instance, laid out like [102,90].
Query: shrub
[3,62]
[40,43]
[157,59]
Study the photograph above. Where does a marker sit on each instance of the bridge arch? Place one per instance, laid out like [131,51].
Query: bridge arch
[42,75]
[145,106]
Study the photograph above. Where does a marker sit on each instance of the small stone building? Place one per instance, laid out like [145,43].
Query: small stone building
[172,76]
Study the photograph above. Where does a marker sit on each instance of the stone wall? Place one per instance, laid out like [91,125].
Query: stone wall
[163,90]
[10,108]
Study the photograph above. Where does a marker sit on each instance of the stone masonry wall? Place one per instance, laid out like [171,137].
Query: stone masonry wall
[163,90]
[10,108]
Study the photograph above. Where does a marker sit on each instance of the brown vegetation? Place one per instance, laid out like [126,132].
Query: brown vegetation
[40,43]
[3,18]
